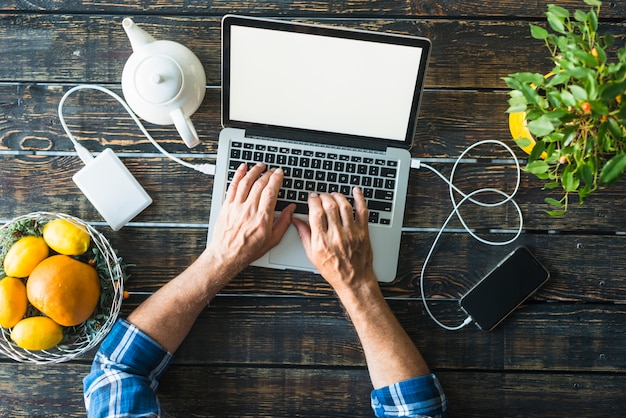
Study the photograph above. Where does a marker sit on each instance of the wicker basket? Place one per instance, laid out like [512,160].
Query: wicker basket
[83,337]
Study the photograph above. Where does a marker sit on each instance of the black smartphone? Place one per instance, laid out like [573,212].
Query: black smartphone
[504,288]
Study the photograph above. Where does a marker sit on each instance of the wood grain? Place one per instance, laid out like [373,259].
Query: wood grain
[404,8]
[467,54]
[290,391]
[278,343]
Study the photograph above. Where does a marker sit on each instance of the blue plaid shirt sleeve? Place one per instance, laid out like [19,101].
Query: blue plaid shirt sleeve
[420,397]
[124,375]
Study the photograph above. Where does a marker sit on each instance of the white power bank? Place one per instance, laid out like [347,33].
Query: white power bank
[112,189]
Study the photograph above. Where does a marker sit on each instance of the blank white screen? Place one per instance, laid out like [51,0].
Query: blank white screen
[320,83]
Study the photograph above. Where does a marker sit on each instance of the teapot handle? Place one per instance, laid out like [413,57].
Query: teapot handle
[185,128]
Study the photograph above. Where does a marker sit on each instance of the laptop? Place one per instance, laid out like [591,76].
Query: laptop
[335,108]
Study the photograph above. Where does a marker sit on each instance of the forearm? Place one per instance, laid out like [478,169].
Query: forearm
[168,315]
[390,354]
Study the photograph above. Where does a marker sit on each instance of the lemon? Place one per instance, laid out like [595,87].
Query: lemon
[24,255]
[66,237]
[13,301]
[37,333]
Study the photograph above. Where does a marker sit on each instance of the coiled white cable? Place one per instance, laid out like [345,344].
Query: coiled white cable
[86,156]
[455,211]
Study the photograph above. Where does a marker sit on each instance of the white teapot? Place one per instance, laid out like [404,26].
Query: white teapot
[163,82]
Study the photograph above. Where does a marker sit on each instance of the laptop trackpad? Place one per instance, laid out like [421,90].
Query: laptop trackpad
[290,251]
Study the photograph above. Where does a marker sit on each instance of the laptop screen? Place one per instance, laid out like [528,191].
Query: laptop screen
[322,80]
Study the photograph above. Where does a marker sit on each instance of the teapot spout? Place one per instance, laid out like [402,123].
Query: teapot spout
[137,36]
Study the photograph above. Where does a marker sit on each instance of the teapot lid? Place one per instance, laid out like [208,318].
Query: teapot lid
[157,79]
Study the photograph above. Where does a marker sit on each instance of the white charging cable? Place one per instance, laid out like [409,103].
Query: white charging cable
[507,198]
[86,156]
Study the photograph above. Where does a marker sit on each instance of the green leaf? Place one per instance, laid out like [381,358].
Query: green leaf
[517,103]
[611,90]
[613,169]
[556,23]
[599,108]
[556,115]
[537,151]
[522,142]
[586,174]
[580,16]
[568,136]
[593,3]
[558,11]
[568,98]
[541,126]
[516,108]
[579,93]
[615,129]
[553,202]
[592,89]
[512,82]
[602,129]
[551,185]
[585,57]
[574,70]
[537,167]
[555,212]
[531,94]
[558,79]
[538,32]
[570,182]
[555,98]
[527,78]
[607,41]
[593,20]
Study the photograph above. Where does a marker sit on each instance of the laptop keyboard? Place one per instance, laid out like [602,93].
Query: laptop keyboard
[323,171]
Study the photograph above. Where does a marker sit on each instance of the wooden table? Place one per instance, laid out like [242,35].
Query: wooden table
[278,343]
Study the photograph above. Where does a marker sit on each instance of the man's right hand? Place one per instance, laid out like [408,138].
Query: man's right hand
[336,240]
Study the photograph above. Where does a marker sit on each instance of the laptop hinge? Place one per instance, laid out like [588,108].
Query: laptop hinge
[346,141]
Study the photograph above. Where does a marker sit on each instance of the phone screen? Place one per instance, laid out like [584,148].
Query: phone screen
[503,289]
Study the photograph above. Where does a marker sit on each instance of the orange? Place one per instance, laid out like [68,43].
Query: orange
[13,302]
[65,289]
[66,237]
[37,333]
[24,255]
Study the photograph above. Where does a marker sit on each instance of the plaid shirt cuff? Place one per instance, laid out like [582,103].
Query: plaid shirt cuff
[418,397]
[124,375]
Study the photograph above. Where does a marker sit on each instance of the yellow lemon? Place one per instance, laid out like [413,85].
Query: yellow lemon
[65,289]
[519,131]
[13,301]
[37,333]
[24,255]
[66,237]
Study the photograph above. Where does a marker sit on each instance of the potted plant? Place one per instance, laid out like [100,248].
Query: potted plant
[572,119]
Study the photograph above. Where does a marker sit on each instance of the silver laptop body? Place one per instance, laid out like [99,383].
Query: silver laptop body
[335,108]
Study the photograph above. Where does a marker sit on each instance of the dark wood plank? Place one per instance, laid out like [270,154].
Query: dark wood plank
[405,8]
[315,332]
[487,395]
[290,391]
[295,392]
[468,54]
[42,390]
